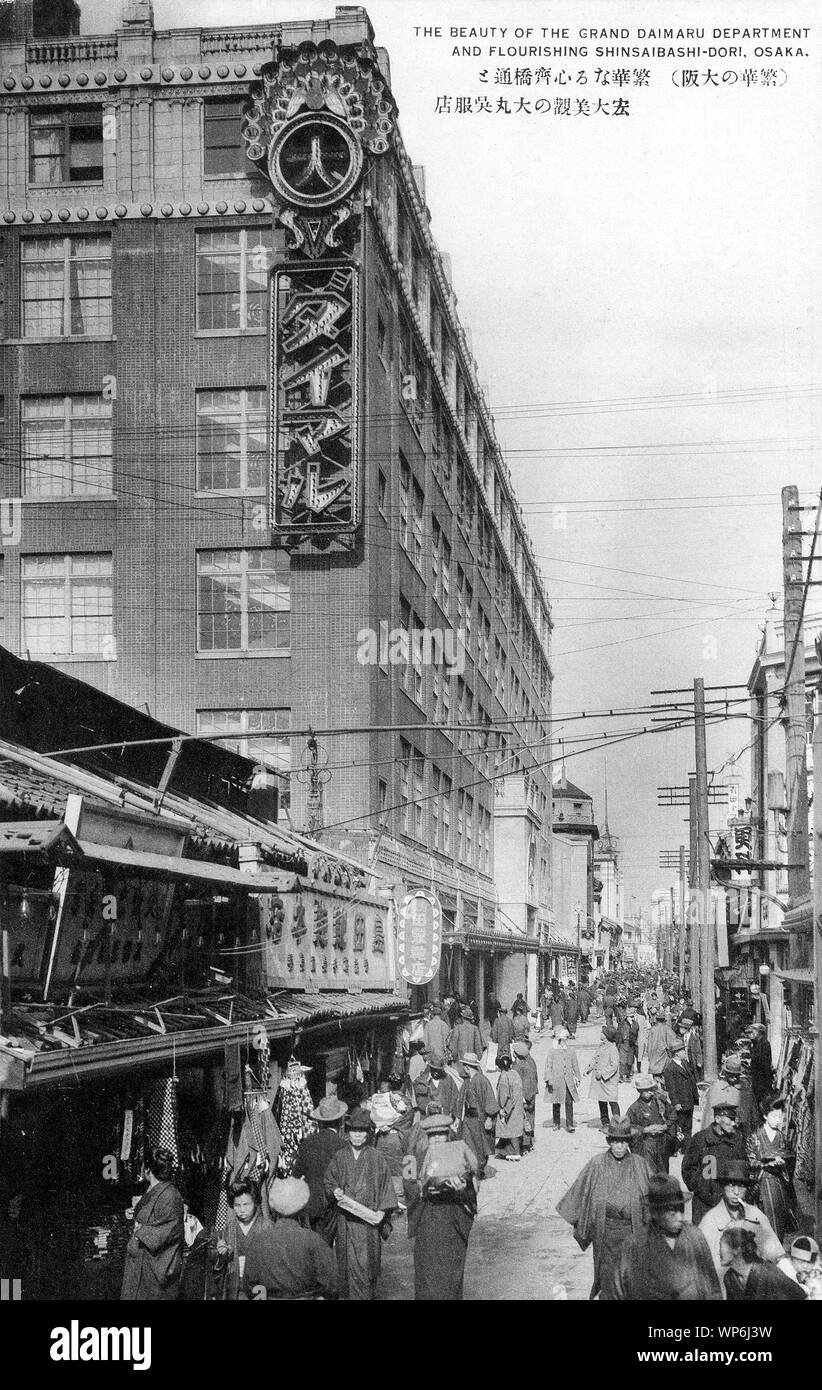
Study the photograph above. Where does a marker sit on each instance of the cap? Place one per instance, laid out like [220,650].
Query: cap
[734,1170]
[804,1249]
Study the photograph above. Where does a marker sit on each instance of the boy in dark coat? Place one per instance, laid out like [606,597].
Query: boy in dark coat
[680,1083]
[706,1153]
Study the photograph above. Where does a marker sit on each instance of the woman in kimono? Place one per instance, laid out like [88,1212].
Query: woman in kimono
[154,1254]
[511,1117]
[359,1172]
[772,1160]
[605,1205]
[442,1204]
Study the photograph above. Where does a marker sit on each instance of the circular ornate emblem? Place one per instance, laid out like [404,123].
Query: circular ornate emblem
[315,161]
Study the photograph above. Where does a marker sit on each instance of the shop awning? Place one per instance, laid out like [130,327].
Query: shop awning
[166,866]
[477,939]
[800,976]
[82,1042]
[49,839]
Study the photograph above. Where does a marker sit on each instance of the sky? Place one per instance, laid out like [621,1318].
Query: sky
[642,294]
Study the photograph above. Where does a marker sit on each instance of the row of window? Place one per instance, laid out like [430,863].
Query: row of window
[243,602]
[426,811]
[66,142]
[66,443]
[412,539]
[65,283]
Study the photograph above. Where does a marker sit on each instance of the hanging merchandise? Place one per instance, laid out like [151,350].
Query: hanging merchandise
[294,1106]
[163,1127]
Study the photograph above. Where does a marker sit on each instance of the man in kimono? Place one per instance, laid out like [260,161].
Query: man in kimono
[653,1120]
[735,1177]
[442,1204]
[584,999]
[660,1038]
[571,1011]
[606,1204]
[529,1076]
[731,1078]
[466,1037]
[479,1106]
[435,1084]
[154,1254]
[358,1171]
[435,1032]
[502,1030]
[669,1261]
[284,1259]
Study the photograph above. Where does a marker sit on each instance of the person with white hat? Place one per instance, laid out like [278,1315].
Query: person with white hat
[286,1260]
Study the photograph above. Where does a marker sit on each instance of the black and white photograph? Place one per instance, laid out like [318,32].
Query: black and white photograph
[407,885]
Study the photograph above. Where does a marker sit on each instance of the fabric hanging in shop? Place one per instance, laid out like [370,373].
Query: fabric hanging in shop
[233,1083]
[163,1126]
[294,1106]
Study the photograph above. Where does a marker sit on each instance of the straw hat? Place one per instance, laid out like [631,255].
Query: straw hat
[287,1196]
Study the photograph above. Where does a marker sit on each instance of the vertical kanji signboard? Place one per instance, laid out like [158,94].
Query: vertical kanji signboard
[419,937]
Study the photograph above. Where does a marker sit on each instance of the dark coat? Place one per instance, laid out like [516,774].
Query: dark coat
[154,1255]
[502,1032]
[765,1284]
[466,1037]
[571,1011]
[289,1261]
[312,1160]
[680,1083]
[702,1162]
[649,1271]
[656,1148]
[446,1093]
[761,1072]
[557,1011]
[585,1203]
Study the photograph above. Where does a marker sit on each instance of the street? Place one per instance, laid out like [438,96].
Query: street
[520,1248]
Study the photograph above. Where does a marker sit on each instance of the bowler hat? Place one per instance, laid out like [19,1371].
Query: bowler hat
[358,1119]
[287,1196]
[620,1130]
[330,1109]
[734,1170]
[665,1193]
[470,1059]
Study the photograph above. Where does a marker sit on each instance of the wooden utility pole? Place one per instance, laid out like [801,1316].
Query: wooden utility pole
[799,879]
[817,945]
[706,925]
[693,912]
[682,917]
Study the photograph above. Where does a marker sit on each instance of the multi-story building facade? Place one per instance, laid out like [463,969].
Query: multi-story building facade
[260,488]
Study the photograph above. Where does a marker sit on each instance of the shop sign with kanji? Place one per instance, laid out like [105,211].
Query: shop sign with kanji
[419,939]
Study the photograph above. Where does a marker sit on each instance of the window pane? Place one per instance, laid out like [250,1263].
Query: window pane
[90,285]
[42,279]
[218,280]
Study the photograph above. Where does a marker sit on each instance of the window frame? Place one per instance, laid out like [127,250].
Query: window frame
[244,489]
[243,650]
[69,119]
[68,580]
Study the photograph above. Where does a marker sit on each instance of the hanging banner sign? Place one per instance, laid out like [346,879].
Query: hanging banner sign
[419,939]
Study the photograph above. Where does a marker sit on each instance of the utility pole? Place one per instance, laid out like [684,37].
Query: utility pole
[669,955]
[682,918]
[817,944]
[693,914]
[799,880]
[707,951]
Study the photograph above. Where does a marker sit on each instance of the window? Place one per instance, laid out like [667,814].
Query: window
[405,786]
[441,567]
[232,278]
[419,796]
[382,796]
[445,813]
[65,286]
[460,823]
[405,508]
[67,605]
[382,493]
[66,145]
[436,792]
[460,597]
[231,440]
[417,507]
[416,641]
[484,644]
[243,601]
[66,445]
[255,740]
[223,144]
[405,625]
[469,830]
[469,604]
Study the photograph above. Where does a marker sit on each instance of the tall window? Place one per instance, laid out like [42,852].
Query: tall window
[436,793]
[232,278]
[415,642]
[405,786]
[67,605]
[231,440]
[66,445]
[419,795]
[223,144]
[417,507]
[272,752]
[243,601]
[65,286]
[66,145]
[440,567]
[405,503]
[445,812]
[469,829]
[460,824]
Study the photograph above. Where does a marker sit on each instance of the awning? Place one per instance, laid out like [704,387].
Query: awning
[167,866]
[801,976]
[194,1028]
[477,939]
[48,839]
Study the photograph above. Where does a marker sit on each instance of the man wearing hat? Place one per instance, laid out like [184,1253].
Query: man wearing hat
[562,1079]
[735,1178]
[605,1205]
[706,1152]
[669,1261]
[285,1260]
[435,1032]
[502,1030]
[680,1083]
[466,1037]
[442,1204]
[479,1107]
[807,1266]
[731,1079]
[653,1119]
[527,1068]
[358,1172]
[313,1157]
[660,1038]
[436,1084]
